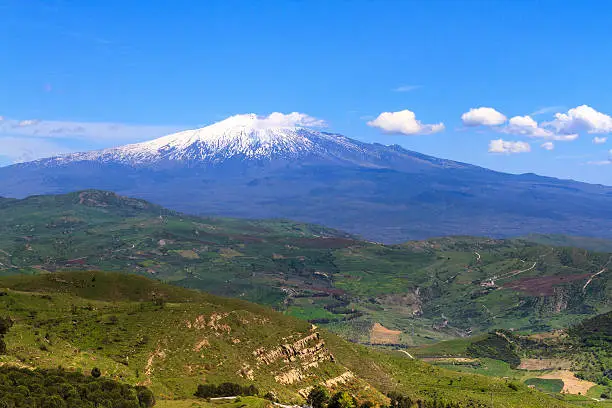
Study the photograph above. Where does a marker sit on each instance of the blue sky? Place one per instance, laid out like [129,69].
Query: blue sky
[78,75]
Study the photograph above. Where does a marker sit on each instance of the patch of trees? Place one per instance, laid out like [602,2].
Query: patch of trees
[320,398]
[67,389]
[497,347]
[226,389]
[5,324]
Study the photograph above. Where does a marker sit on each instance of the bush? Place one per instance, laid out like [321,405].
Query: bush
[342,400]
[96,373]
[226,389]
[21,388]
[318,397]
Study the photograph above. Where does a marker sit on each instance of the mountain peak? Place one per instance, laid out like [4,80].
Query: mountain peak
[249,138]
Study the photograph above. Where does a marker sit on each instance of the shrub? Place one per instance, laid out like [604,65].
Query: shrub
[96,373]
[318,397]
[342,400]
[225,389]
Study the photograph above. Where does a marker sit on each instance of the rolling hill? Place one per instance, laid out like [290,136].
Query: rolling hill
[139,331]
[241,168]
[409,294]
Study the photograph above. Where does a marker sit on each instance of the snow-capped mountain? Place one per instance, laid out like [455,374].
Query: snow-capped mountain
[243,138]
[246,166]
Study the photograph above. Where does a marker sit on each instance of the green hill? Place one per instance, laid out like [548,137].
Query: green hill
[417,292]
[141,332]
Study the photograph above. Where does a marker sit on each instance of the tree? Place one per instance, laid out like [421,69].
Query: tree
[342,400]
[96,373]
[318,397]
[145,397]
[5,324]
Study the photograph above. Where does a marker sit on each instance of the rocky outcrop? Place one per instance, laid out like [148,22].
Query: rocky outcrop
[297,350]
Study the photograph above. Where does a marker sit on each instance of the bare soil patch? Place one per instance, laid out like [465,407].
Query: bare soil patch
[571,384]
[542,286]
[534,364]
[381,335]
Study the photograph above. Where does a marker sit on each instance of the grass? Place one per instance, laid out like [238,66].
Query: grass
[244,402]
[551,386]
[62,320]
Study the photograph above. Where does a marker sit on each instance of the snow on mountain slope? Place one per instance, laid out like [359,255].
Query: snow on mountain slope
[250,138]
[240,136]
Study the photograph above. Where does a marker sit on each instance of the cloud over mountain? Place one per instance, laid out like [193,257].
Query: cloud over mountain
[404,122]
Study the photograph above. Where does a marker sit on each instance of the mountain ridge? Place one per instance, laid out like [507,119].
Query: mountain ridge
[242,168]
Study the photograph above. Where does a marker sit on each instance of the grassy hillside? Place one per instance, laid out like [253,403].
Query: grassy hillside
[170,339]
[411,294]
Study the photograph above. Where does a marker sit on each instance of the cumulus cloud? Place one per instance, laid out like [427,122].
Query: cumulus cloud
[548,145]
[581,119]
[483,116]
[527,126]
[403,122]
[600,140]
[277,119]
[506,147]
[406,88]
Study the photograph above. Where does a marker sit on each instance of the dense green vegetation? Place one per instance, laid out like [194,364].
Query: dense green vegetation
[593,338]
[170,345]
[67,389]
[497,347]
[553,386]
[431,290]
[226,389]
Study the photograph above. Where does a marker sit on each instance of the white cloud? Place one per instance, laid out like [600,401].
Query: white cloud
[503,146]
[403,122]
[87,131]
[277,119]
[581,119]
[527,126]
[546,109]
[19,149]
[548,145]
[406,88]
[28,122]
[483,117]
[600,140]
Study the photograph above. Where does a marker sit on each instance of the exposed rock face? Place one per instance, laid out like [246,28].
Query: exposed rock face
[307,352]
[341,379]
[291,352]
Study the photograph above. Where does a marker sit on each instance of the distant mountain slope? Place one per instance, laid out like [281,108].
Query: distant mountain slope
[411,293]
[173,339]
[590,243]
[239,168]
